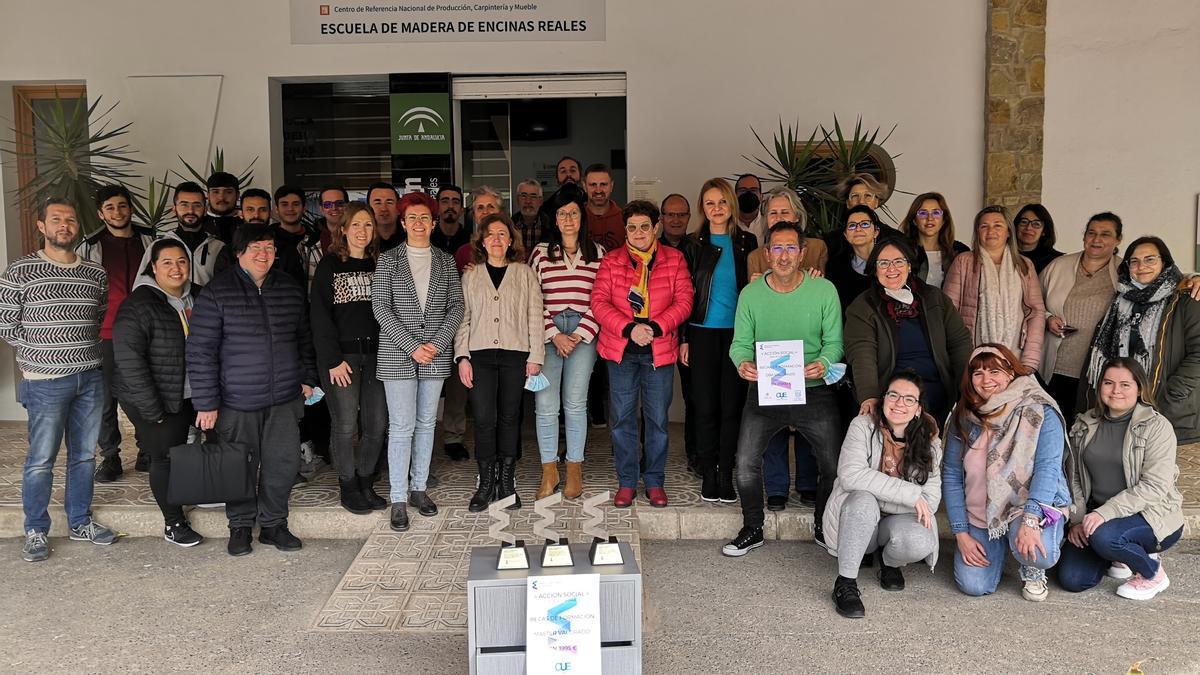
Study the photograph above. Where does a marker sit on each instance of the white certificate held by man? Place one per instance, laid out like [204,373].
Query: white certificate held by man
[780,366]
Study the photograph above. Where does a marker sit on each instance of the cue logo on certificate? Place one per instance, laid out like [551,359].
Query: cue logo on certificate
[780,366]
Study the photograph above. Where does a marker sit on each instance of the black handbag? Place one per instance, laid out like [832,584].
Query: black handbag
[210,473]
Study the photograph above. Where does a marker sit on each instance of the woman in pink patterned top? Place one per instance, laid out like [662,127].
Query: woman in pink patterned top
[566,265]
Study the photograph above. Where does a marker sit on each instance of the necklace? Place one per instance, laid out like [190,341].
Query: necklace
[1089,273]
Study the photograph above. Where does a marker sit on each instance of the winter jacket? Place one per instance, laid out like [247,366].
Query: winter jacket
[1174,371]
[1151,471]
[509,317]
[670,290]
[404,326]
[90,249]
[1057,279]
[249,348]
[149,343]
[870,337]
[222,227]
[962,287]
[858,470]
[704,265]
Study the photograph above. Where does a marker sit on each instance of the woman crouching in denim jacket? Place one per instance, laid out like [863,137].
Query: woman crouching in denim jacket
[1128,508]
[1003,480]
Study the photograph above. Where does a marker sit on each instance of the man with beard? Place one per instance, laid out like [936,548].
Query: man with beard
[605,226]
[222,199]
[205,248]
[51,309]
[384,201]
[333,208]
[118,248]
[568,170]
[526,218]
[749,194]
[451,233]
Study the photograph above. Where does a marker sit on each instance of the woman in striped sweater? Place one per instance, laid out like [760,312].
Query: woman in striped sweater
[566,267]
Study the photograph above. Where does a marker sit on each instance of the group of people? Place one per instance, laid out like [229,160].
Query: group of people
[1048,375]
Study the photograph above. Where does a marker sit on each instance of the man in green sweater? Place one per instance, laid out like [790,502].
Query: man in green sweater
[786,304]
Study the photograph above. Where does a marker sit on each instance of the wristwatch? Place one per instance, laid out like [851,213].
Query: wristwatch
[1032,522]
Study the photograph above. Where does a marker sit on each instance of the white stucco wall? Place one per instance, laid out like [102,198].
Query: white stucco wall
[698,74]
[1122,95]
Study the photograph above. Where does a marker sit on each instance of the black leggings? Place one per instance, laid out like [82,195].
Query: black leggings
[498,387]
[156,439]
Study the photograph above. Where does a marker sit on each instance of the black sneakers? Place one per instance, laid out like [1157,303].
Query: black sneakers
[239,540]
[280,537]
[748,539]
[728,495]
[846,598]
[710,489]
[890,578]
[182,534]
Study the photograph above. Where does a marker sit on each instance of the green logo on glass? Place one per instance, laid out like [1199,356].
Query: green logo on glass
[420,124]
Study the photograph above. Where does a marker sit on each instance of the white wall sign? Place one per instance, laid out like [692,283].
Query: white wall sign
[354,21]
[780,366]
[562,627]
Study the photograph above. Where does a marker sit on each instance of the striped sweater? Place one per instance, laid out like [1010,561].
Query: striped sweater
[51,314]
[567,284]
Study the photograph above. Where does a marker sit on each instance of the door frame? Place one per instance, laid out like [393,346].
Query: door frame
[23,97]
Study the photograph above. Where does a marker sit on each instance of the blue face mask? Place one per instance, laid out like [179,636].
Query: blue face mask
[834,373]
[1137,284]
[536,383]
[316,397]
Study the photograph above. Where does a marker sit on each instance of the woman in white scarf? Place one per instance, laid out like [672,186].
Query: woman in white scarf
[996,290]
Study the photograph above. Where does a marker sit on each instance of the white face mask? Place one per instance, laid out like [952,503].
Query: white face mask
[1138,284]
[904,295]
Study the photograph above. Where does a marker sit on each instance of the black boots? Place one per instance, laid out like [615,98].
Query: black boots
[728,495]
[374,501]
[508,481]
[353,499]
[486,492]
[710,489]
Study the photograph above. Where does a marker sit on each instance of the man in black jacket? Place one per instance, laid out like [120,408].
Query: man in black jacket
[223,199]
[676,215]
[251,366]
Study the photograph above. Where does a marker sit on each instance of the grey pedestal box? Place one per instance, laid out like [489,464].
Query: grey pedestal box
[496,611]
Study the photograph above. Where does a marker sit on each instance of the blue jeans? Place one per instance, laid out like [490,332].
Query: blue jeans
[635,376]
[985,580]
[1128,540]
[569,380]
[775,465]
[412,414]
[71,406]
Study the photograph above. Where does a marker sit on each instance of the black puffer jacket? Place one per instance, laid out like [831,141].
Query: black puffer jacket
[148,348]
[249,348]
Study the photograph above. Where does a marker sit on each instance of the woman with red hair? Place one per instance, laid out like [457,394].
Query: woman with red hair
[1003,478]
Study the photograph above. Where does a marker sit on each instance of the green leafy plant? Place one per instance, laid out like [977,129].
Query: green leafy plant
[154,210]
[77,150]
[245,177]
[816,167]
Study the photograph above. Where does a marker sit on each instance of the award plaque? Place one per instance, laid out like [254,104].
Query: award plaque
[604,550]
[513,555]
[553,554]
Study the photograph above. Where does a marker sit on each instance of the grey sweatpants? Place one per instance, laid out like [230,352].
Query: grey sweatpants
[273,435]
[862,528]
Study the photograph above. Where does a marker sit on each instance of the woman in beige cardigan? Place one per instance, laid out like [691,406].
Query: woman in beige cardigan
[1128,508]
[498,345]
[996,290]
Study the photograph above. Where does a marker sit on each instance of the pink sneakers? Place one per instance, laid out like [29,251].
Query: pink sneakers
[1141,588]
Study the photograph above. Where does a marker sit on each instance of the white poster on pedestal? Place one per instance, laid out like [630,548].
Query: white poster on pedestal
[780,366]
[562,625]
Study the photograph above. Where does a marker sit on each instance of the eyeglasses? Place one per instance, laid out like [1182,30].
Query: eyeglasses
[862,225]
[255,249]
[898,263]
[413,219]
[568,215]
[903,399]
[1033,224]
[340,203]
[644,227]
[1148,261]
[928,213]
[790,249]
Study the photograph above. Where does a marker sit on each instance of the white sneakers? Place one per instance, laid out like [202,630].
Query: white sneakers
[1035,591]
[1141,588]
